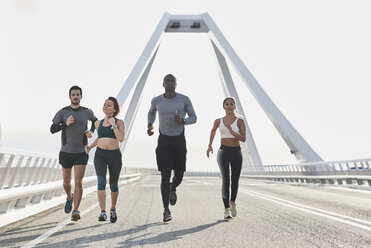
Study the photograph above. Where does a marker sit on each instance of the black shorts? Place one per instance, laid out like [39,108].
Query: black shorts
[67,160]
[171,152]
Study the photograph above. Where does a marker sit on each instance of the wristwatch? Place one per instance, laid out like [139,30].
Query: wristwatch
[114,126]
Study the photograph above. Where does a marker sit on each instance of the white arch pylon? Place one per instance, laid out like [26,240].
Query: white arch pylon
[204,24]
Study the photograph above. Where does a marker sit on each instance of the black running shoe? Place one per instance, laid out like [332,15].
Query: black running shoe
[167,215]
[173,197]
[113,216]
[102,216]
[68,205]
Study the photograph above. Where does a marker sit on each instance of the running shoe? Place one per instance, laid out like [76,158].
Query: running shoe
[102,216]
[113,216]
[75,215]
[68,205]
[233,209]
[173,197]
[227,213]
[167,215]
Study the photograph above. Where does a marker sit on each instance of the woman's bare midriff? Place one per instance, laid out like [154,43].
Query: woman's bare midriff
[230,142]
[108,143]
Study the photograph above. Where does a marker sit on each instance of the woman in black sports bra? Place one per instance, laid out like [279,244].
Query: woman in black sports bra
[111,131]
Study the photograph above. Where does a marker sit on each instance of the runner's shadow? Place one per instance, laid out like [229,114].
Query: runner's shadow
[17,230]
[82,241]
[166,237]
[19,239]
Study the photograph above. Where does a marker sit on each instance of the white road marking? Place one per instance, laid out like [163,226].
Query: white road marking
[308,209]
[305,208]
[65,223]
[197,181]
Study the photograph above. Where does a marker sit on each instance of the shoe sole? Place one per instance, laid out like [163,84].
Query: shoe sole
[228,217]
[167,220]
[102,219]
[113,220]
[75,217]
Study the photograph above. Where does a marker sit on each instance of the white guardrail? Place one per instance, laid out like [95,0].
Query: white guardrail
[30,177]
[344,173]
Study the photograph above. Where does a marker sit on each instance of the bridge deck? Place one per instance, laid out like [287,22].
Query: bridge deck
[269,215]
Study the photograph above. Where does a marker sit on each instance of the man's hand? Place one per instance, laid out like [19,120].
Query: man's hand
[177,118]
[150,130]
[70,120]
[88,134]
[87,149]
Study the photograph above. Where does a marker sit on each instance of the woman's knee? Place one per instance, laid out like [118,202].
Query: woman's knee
[101,183]
[114,187]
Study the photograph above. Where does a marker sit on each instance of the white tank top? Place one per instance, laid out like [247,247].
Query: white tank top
[224,132]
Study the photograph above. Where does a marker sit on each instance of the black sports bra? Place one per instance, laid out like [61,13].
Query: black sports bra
[106,132]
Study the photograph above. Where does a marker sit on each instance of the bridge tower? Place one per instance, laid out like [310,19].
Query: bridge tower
[204,24]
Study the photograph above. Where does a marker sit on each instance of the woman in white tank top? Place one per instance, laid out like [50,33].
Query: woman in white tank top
[232,131]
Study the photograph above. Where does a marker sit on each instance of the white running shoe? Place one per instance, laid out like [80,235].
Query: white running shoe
[227,213]
[233,209]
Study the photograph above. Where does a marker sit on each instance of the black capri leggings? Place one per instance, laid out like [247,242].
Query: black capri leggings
[233,156]
[112,158]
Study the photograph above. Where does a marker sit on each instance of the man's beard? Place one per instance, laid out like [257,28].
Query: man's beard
[75,102]
[170,90]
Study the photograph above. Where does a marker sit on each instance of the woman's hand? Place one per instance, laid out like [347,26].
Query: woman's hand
[209,149]
[229,127]
[111,121]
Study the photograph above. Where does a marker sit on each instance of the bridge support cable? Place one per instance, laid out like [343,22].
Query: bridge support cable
[297,144]
[135,101]
[249,149]
[204,24]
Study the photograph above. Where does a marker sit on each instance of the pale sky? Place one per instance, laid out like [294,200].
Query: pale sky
[313,58]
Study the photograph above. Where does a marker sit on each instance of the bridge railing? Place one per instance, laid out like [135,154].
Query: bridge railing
[347,172]
[24,168]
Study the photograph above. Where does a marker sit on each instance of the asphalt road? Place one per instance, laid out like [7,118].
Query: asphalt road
[269,215]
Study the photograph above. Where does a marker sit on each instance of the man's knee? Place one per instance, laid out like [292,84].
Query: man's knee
[178,176]
[66,183]
[78,181]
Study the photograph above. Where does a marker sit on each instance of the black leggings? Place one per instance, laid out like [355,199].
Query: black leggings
[233,156]
[112,158]
[166,186]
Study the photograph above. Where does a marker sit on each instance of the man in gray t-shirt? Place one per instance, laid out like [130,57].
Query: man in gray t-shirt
[171,150]
[73,122]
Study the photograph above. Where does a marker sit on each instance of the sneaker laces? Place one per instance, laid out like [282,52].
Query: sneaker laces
[113,213]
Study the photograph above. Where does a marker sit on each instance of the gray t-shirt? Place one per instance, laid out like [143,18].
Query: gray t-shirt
[166,108]
[73,136]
